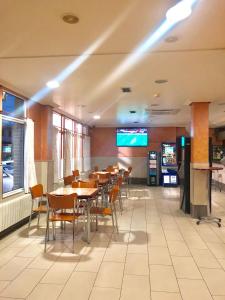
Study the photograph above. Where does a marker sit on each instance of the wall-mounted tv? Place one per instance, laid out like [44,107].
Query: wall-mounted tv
[132,137]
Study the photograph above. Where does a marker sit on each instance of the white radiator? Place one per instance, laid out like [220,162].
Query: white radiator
[14,210]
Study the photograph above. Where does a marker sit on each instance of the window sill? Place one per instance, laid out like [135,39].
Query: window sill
[15,193]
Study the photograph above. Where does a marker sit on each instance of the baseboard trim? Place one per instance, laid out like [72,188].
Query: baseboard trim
[15,226]
[135,180]
[198,211]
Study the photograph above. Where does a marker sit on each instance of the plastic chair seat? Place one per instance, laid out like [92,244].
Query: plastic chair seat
[67,217]
[101,211]
[41,208]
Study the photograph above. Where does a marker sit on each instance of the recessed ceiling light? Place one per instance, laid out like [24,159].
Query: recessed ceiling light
[160,81]
[126,89]
[156,95]
[171,39]
[133,111]
[81,105]
[180,11]
[70,19]
[96,117]
[53,84]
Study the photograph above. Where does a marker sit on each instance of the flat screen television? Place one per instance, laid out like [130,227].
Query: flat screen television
[132,137]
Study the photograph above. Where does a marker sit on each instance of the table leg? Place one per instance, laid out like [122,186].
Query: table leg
[88,221]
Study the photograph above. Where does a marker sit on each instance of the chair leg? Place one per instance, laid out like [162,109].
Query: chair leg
[96,219]
[120,201]
[113,223]
[38,219]
[73,236]
[53,231]
[114,209]
[46,232]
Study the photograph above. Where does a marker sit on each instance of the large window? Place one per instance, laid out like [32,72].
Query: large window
[69,141]
[12,143]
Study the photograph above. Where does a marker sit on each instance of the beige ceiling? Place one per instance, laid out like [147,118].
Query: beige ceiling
[36,45]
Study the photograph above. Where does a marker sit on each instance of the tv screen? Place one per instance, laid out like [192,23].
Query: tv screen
[132,137]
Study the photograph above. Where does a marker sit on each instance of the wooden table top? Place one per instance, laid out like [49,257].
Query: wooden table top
[83,193]
[100,181]
[105,172]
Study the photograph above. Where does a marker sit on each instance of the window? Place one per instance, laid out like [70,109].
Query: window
[57,119]
[72,138]
[12,143]
[13,106]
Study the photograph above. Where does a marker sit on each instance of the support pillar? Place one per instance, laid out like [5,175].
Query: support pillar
[42,117]
[199,158]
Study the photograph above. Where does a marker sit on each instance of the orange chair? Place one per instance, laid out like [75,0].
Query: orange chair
[37,195]
[76,174]
[68,180]
[108,211]
[84,184]
[58,207]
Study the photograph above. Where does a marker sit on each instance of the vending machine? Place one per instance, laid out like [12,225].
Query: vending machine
[169,176]
[153,172]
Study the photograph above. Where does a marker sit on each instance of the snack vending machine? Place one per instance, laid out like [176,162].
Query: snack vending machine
[153,176]
[169,165]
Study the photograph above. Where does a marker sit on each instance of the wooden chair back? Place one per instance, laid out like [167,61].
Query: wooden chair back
[62,202]
[36,191]
[129,169]
[96,168]
[126,174]
[84,184]
[68,180]
[76,173]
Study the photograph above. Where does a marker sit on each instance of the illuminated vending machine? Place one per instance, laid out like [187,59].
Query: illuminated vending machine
[153,168]
[169,165]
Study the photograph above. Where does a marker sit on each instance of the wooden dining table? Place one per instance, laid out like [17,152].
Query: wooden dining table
[82,193]
[113,173]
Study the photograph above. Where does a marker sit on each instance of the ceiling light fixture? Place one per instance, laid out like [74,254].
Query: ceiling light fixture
[136,122]
[171,39]
[96,117]
[180,11]
[132,111]
[53,84]
[156,95]
[70,19]
[160,81]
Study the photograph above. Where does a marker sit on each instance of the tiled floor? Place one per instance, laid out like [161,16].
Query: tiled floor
[159,254]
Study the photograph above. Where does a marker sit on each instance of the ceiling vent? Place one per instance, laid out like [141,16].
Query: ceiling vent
[163,112]
[126,89]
